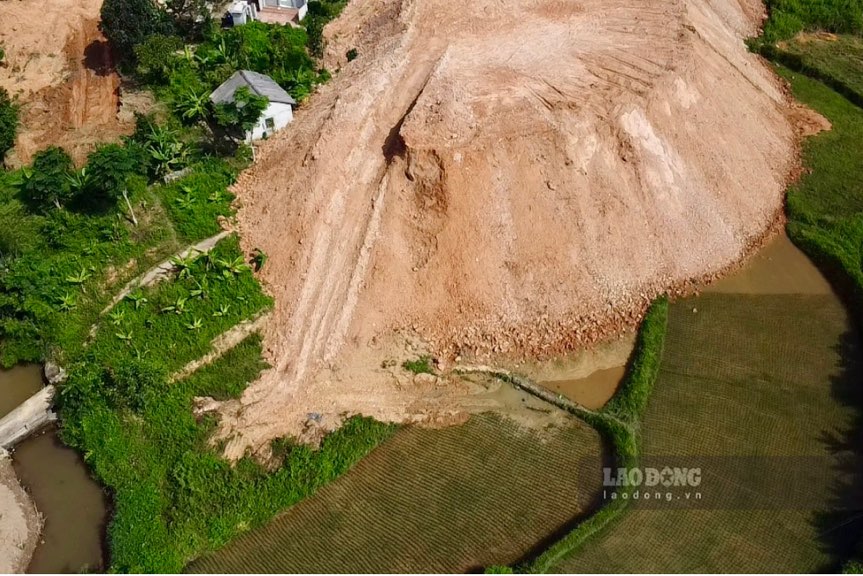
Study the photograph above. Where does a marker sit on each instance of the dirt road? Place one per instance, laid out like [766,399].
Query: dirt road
[499,180]
[20,522]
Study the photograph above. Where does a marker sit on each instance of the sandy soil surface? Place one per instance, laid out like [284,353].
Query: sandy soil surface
[20,523]
[59,66]
[499,181]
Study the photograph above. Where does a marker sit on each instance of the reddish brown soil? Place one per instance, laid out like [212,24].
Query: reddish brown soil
[59,66]
[500,180]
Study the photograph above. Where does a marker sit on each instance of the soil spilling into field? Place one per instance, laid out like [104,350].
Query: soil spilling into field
[61,69]
[73,504]
[499,181]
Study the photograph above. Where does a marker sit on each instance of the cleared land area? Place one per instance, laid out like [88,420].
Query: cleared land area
[449,500]
[498,181]
[745,378]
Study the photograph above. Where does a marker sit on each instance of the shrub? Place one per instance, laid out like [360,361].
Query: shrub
[108,168]
[352,54]
[154,57]
[128,23]
[242,114]
[422,365]
[46,182]
[788,17]
[8,122]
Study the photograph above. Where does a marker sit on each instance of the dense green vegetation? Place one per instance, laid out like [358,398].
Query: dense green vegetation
[788,17]
[447,500]
[174,496]
[8,120]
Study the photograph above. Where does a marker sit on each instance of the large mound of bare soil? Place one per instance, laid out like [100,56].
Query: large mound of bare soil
[499,179]
[60,68]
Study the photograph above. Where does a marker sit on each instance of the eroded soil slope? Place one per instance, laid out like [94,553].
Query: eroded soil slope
[494,179]
[59,66]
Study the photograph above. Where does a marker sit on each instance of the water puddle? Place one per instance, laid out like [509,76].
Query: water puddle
[588,377]
[778,268]
[17,384]
[74,506]
[593,391]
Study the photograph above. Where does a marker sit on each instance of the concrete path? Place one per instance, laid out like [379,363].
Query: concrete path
[31,415]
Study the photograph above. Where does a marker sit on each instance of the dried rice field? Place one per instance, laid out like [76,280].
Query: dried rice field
[757,391]
[449,500]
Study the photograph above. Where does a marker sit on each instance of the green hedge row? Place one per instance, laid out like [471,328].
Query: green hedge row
[619,422]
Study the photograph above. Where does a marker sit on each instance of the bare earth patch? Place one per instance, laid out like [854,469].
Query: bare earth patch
[60,67]
[499,181]
[20,523]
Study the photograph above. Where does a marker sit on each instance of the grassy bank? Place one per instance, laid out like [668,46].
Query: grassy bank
[619,421]
[825,207]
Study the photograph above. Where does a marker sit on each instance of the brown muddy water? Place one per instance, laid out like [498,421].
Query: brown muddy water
[71,502]
[592,377]
[16,385]
[589,377]
[778,268]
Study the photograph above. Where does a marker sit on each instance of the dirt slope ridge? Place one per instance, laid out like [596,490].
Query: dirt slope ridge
[60,67]
[499,179]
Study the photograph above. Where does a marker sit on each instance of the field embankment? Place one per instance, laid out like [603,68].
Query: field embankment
[494,181]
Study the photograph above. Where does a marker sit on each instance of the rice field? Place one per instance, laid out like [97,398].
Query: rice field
[756,390]
[450,500]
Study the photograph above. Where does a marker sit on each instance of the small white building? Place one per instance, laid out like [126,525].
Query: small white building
[279,112]
[297,8]
[243,12]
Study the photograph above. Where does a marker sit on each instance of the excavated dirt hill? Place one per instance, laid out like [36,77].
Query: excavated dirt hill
[60,68]
[495,180]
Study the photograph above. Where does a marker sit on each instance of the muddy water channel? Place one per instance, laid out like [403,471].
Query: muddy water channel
[72,504]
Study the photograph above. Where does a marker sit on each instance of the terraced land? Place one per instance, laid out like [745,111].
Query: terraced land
[756,389]
[450,500]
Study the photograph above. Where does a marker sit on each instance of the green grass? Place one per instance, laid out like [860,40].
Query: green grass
[196,201]
[834,60]
[788,17]
[744,376]
[174,496]
[825,208]
[422,365]
[447,500]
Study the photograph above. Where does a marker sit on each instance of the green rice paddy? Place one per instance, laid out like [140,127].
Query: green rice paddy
[449,500]
[745,379]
